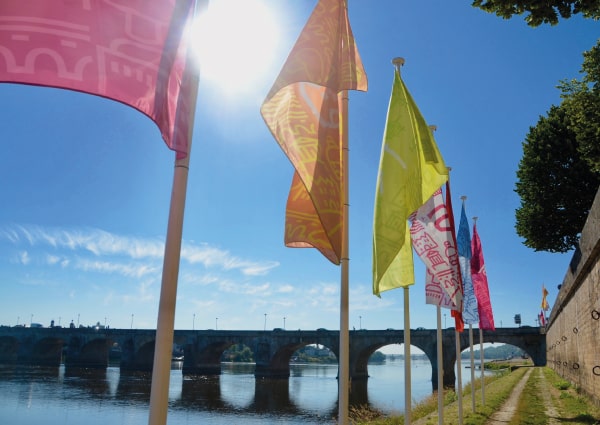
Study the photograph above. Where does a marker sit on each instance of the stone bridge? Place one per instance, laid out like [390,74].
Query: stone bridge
[273,350]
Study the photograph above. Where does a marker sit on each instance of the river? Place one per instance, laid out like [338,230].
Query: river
[55,396]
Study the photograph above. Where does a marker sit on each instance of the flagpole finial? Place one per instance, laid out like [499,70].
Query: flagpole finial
[449,169]
[475,219]
[398,63]
[463,199]
[433,127]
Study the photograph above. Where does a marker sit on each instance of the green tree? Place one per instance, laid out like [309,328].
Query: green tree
[541,12]
[559,173]
[582,100]
[555,184]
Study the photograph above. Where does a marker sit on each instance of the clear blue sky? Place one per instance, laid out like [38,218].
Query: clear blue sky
[86,182]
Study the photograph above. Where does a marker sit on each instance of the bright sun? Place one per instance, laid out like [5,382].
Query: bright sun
[235,42]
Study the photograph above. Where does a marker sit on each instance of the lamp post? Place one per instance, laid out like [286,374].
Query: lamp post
[359,323]
[444,320]
[284,323]
[194,321]
[216,323]
[131,320]
[78,314]
[30,320]
[265,327]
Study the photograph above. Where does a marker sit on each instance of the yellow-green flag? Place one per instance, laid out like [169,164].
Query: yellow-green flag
[411,169]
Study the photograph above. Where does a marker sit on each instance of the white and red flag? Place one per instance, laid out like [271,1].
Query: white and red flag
[432,239]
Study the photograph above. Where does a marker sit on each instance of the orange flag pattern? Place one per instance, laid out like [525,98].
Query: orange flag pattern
[302,111]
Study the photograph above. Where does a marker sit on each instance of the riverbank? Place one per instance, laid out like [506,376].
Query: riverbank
[526,395]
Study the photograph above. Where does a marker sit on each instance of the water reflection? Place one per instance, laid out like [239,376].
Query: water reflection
[309,396]
[91,382]
[202,393]
[134,386]
[272,395]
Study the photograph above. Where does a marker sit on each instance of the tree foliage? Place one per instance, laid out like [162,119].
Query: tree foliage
[559,173]
[541,12]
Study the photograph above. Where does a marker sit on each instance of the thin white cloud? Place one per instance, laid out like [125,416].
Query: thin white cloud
[101,243]
[24,257]
[130,270]
[204,305]
[215,257]
[285,289]
[144,293]
[96,241]
[52,259]
[195,278]
[261,289]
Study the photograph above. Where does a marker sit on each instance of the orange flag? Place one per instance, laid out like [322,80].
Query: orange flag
[302,110]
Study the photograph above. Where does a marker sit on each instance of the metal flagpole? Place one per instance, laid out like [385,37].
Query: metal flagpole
[440,367]
[163,348]
[458,362]
[481,360]
[344,360]
[458,377]
[481,355]
[398,63]
[472,366]
[472,355]
[407,377]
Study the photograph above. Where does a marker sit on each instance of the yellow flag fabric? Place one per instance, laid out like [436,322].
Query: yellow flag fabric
[411,169]
[545,305]
[302,110]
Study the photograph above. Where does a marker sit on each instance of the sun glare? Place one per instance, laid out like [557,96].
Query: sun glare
[235,42]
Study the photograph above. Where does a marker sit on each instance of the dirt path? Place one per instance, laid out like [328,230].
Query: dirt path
[508,409]
[551,411]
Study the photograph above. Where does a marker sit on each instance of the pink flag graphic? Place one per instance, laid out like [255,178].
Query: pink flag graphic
[433,241]
[480,284]
[131,51]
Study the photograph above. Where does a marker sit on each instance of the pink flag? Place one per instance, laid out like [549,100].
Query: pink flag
[131,51]
[542,318]
[480,284]
[433,241]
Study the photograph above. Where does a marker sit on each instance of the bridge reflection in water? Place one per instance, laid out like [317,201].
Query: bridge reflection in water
[90,348]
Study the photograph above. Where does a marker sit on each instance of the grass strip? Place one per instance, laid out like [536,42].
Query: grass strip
[497,390]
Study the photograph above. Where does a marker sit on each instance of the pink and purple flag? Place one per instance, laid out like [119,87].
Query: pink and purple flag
[480,283]
[133,51]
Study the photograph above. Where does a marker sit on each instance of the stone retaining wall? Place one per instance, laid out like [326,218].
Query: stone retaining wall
[573,332]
